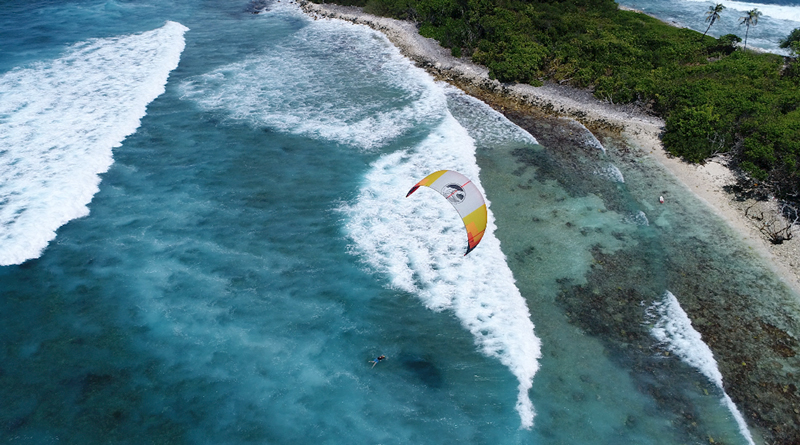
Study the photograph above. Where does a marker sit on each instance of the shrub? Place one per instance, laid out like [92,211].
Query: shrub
[691,133]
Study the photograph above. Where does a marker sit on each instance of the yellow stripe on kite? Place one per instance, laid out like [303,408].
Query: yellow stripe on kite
[431,178]
[475,223]
[465,198]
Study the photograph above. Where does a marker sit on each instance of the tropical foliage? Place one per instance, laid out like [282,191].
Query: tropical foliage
[715,97]
[712,15]
[751,19]
[792,42]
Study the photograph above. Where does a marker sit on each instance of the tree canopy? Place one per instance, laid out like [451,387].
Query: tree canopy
[792,42]
[750,19]
[713,14]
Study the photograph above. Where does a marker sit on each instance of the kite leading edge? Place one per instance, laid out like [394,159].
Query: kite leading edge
[464,196]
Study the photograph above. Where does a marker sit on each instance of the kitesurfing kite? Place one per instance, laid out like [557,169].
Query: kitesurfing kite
[464,196]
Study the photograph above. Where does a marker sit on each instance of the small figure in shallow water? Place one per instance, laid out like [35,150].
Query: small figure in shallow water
[661,199]
[377,360]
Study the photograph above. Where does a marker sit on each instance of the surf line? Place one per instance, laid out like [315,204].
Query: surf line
[674,330]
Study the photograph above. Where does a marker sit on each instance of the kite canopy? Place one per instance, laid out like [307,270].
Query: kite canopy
[464,196]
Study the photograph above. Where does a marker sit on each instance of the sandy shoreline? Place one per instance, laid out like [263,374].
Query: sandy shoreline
[766,391]
[706,181]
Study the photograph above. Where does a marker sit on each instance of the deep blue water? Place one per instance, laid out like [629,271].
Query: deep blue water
[204,238]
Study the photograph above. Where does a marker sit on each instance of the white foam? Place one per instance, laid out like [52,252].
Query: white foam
[590,140]
[674,330]
[306,87]
[612,172]
[59,121]
[485,125]
[584,136]
[780,12]
[419,244]
[639,218]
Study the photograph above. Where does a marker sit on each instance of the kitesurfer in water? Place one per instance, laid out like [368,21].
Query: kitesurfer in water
[377,360]
[465,196]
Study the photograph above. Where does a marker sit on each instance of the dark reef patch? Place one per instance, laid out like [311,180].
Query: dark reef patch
[755,345]
[424,371]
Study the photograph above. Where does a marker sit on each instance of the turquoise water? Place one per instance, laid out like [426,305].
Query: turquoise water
[205,239]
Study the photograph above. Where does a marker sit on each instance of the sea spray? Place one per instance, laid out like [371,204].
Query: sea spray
[673,329]
[582,135]
[773,11]
[611,172]
[777,21]
[638,218]
[418,244]
[486,126]
[60,121]
[260,322]
[282,89]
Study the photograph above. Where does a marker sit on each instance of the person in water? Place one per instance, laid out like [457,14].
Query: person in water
[377,360]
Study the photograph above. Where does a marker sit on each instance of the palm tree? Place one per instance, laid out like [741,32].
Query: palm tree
[712,15]
[750,19]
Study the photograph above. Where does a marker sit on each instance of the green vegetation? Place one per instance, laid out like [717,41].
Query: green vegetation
[712,15]
[751,19]
[714,97]
[792,42]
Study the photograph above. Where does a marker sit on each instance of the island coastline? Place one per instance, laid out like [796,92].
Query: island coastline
[765,400]
[709,182]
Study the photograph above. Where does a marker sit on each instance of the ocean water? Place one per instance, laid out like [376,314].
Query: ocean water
[204,238]
[778,19]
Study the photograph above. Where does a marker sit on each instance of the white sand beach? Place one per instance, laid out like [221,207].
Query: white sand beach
[637,128]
